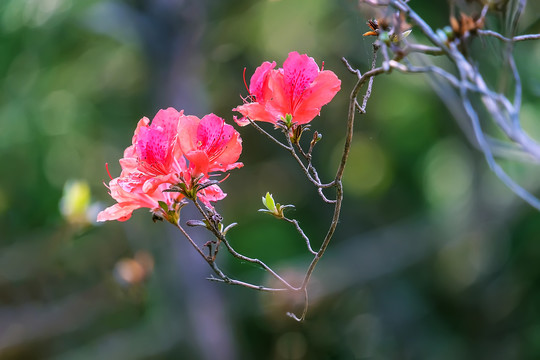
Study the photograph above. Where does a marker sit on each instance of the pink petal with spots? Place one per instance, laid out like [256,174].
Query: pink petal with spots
[299,72]
[144,122]
[167,120]
[209,144]
[322,91]
[213,133]
[258,80]
[187,133]
[298,89]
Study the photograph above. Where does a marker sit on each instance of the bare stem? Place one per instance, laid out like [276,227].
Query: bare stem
[230,281]
[428,50]
[301,232]
[222,277]
[305,309]
[506,39]
[236,254]
[339,174]
[265,133]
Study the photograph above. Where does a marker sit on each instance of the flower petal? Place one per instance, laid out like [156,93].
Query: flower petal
[211,193]
[256,112]
[187,133]
[299,72]
[323,90]
[257,82]
[120,212]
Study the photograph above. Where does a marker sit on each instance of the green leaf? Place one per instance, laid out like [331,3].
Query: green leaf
[163,205]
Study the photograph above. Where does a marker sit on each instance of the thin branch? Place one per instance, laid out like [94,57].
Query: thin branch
[230,281]
[339,174]
[305,309]
[517,87]
[367,95]
[424,27]
[352,107]
[258,262]
[386,57]
[192,242]
[424,69]
[325,199]
[301,232]
[514,39]
[329,234]
[264,132]
[313,179]
[311,170]
[350,68]
[495,167]
[423,49]
[526,37]
[236,254]
[222,277]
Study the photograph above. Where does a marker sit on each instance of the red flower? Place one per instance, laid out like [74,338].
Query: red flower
[209,144]
[299,90]
[155,162]
[155,156]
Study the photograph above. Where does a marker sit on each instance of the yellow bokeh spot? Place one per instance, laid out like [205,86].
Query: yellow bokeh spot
[75,201]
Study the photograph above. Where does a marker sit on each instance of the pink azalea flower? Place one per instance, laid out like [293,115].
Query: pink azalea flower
[155,162]
[155,156]
[209,144]
[299,89]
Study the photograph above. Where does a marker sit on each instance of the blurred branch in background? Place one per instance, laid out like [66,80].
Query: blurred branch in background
[471,97]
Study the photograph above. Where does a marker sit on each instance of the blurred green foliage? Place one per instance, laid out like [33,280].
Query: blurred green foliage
[433,257]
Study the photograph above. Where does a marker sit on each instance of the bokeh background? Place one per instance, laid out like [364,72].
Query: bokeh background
[433,258]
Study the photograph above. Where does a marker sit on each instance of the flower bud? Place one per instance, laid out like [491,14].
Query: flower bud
[442,35]
[448,31]
[272,207]
[268,202]
[195,223]
[384,37]
[288,120]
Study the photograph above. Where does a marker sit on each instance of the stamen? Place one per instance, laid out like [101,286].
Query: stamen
[245,83]
[107,168]
[322,66]
[226,176]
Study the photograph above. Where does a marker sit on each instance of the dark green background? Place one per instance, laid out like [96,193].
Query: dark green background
[433,258]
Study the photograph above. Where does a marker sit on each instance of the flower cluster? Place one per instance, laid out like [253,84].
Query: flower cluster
[173,157]
[293,94]
[170,159]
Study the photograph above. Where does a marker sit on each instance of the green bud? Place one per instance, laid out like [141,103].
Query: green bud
[406,33]
[268,202]
[288,120]
[384,37]
[442,35]
[196,223]
[448,31]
